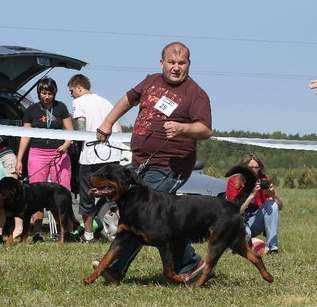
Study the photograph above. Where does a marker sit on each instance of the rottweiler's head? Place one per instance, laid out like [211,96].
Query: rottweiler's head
[112,181]
[10,192]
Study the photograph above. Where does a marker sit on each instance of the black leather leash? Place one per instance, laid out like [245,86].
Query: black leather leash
[142,167]
[52,162]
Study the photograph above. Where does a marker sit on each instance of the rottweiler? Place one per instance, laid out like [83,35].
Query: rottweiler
[160,219]
[23,200]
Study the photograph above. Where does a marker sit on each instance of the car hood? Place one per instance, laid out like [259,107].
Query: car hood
[18,65]
[202,184]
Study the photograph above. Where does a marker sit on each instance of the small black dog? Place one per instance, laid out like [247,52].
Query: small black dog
[23,200]
[161,219]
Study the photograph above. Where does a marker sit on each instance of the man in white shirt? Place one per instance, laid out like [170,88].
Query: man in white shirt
[89,112]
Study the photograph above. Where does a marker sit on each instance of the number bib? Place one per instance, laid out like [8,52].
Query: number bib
[166,106]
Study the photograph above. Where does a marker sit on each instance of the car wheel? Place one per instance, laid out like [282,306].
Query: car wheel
[108,216]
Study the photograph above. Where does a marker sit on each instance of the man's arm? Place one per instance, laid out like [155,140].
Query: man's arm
[313,84]
[80,124]
[196,130]
[120,108]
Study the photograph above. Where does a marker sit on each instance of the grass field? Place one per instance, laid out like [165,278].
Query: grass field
[51,275]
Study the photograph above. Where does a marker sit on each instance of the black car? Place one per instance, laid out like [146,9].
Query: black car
[18,66]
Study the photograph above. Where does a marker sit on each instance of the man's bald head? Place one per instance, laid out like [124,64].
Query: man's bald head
[177,48]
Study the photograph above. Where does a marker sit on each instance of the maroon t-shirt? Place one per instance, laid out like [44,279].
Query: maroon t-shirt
[192,105]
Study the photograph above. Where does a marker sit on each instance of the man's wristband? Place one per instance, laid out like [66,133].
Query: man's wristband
[102,132]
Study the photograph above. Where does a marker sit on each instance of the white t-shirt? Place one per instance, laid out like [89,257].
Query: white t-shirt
[94,109]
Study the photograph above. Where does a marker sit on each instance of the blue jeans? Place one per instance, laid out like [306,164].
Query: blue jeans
[185,258]
[264,220]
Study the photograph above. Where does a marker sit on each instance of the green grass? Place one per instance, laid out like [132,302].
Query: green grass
[51,275]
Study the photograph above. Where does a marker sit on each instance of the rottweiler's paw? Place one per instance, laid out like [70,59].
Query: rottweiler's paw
[269,278]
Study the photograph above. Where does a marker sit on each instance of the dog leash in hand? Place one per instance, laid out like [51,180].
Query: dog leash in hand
[142,167]
[95,143]
[50,163]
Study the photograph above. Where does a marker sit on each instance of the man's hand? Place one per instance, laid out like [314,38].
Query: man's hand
[313,84]
[103,134]
[195,130]
[173,129]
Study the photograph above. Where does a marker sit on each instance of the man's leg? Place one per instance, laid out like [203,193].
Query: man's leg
[185,257]
[119,267]
[87,206]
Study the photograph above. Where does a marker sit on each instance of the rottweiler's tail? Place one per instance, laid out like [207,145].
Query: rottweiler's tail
[250,181]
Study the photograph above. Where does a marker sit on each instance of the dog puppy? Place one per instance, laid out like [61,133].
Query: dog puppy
[23,200]
[161,219]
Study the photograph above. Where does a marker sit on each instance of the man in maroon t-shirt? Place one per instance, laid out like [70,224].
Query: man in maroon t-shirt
[174,112]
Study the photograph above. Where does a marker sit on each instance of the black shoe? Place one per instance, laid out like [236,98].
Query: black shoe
[37,238]
[1,240]
[55,237]
[273,252]
[71,237]
[196,272]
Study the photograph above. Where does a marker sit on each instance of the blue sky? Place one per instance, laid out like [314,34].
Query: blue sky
[254,59]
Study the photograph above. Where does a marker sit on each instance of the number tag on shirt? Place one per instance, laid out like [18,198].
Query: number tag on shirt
[166,105]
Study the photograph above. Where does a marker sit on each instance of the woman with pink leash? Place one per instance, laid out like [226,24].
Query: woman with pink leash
[47,158]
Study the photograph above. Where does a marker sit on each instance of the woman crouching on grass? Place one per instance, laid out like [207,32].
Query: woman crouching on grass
[261,209]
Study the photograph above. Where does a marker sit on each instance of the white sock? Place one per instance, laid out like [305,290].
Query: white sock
[88,235]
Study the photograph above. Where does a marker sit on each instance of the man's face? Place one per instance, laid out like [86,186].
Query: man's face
[175,65]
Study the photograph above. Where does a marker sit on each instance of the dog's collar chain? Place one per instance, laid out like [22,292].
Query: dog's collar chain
[142,167]
[131,186]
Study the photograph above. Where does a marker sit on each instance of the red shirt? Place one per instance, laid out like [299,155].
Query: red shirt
[236,183]
[192,105]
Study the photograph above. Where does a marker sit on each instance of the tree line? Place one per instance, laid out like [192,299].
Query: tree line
[288,168]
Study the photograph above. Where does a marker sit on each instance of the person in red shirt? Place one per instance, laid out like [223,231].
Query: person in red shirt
[261,209]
